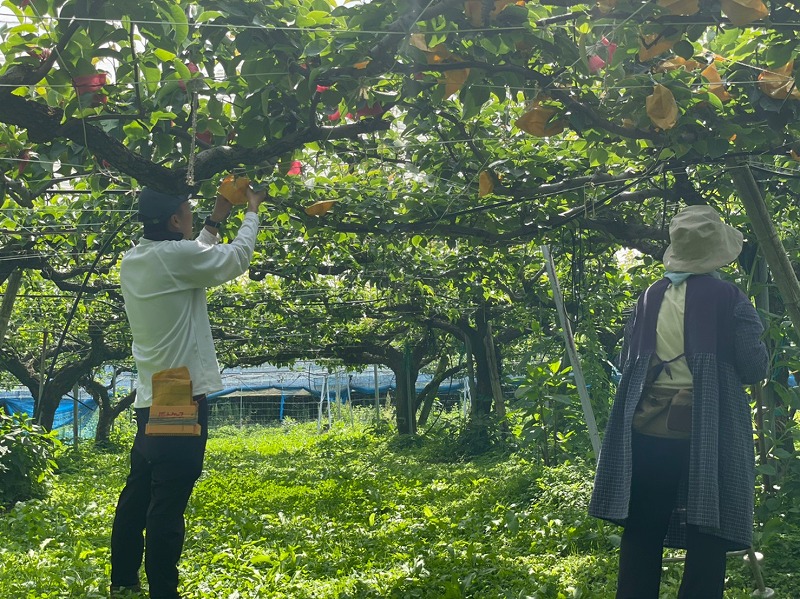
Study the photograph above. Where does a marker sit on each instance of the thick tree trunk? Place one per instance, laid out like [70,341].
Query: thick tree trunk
[482,402]
[406,373]
[45,412]
[485,387]
[426,398]
[107,414]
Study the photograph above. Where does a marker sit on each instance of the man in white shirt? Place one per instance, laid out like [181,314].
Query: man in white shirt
[164,280]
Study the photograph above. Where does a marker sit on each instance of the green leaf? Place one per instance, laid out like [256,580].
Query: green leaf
[767,469]
[152,77]
[488,45]
[778,55]
[316,48]
[684,49]
[164,55]
[135,131]
[250,133]
[208,15]
[513,15]
[214,107]
[717,147]
[598,156]
[265,97]
[714,100]
[183,71]
[179,22]
[160,115]
[314,18]
[512,522]
[215,127]
[474,98]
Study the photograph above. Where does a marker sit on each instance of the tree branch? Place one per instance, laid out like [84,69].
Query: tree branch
[222,158]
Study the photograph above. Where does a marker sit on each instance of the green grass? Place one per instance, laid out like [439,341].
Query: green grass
[287,513]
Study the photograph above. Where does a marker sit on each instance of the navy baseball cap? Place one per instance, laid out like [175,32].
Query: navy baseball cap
[155,206]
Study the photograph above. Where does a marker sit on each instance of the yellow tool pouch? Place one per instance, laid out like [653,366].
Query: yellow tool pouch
[174,412]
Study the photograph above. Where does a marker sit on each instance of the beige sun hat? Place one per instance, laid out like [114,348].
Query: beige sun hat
[700,241]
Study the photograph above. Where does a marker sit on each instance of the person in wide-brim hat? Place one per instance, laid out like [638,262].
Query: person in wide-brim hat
[677,465]
[700,242]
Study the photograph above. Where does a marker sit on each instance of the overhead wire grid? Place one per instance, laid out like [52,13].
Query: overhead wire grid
[466,187]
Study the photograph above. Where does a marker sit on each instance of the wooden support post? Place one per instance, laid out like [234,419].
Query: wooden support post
[572,351]
[9,297]
[768,239]
[494,380]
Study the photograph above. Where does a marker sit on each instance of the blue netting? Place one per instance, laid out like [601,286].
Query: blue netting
[64,413]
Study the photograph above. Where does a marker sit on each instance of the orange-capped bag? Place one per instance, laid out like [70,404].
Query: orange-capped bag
[234,189]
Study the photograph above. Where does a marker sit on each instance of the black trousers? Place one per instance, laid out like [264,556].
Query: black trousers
[149,519]
[658,466]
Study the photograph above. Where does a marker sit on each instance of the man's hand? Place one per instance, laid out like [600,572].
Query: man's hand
[254,198]
[222,208]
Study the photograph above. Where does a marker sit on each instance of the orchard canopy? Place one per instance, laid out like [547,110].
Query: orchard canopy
[417,154]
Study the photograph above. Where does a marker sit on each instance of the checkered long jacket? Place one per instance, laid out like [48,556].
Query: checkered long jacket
[724,351]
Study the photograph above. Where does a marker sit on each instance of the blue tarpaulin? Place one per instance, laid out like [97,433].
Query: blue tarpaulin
[286,382]
[64,412]
[363,388]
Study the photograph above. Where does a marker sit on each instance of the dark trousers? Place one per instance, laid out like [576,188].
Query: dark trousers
[149,518]
[658,466]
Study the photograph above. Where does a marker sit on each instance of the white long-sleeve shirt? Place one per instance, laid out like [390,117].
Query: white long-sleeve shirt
[164,286]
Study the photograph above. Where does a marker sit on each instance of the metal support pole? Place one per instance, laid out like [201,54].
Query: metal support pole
[75,423]
[338,397]
[328,400]
[572,351]
[113,392]
[350,402]
[322,393]
[377,395]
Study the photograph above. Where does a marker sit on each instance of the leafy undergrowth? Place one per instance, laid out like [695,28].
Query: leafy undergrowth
[286,513]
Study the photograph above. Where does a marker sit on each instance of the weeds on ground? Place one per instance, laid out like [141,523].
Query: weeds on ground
[351,513]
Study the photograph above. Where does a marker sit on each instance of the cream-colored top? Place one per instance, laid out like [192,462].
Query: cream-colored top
[669,339]
[164,287]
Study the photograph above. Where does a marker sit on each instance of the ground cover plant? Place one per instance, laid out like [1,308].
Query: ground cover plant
[26,452]
[284,512]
